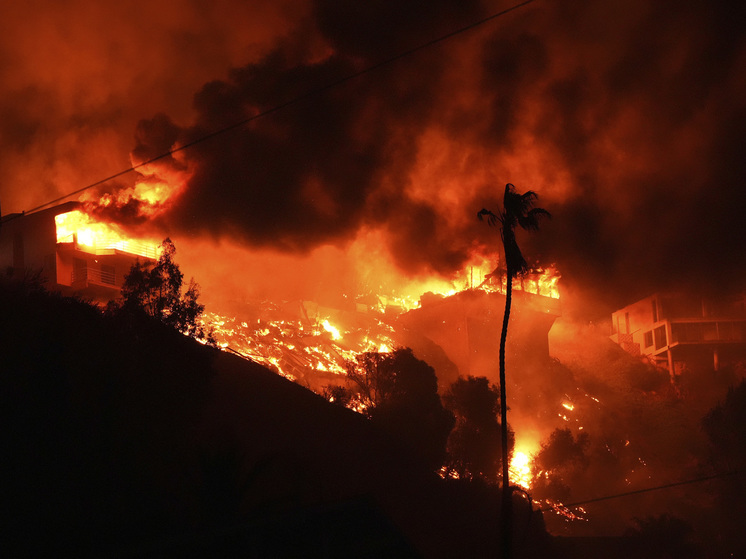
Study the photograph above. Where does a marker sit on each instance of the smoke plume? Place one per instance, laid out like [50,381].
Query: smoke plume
[626,119]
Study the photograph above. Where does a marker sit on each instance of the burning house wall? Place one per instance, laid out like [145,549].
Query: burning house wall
[29,242]
[72,252]
[467,326]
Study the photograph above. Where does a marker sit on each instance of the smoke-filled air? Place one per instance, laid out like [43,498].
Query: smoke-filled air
[625,117]
[321,154]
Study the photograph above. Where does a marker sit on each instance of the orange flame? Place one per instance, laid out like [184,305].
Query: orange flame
[521,463]
[153,197]
[80,229]
[520,470]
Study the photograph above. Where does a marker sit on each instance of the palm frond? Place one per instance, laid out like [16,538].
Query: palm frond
[530,220]
[518,211]
[515,204]
[491,218]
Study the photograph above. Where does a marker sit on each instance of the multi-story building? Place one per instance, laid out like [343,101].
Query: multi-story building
[467,325]
[72,253]
[677,331]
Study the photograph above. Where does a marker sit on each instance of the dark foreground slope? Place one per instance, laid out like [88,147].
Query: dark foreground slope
[122,438]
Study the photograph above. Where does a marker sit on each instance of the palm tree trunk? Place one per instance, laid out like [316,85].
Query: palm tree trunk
[507,502]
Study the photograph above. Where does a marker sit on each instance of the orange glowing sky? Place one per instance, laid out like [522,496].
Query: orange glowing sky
[626,117]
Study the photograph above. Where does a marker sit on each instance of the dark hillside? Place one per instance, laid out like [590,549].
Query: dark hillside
[124,438]
[98,422]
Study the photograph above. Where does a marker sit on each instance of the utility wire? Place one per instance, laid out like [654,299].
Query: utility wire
[647,490]
[293,101]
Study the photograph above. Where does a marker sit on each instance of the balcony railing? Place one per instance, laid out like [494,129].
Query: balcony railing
[97,276]
[710,331]
[107,245]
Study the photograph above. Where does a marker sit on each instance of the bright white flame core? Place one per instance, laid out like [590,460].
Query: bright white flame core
[79,228]
[520,470]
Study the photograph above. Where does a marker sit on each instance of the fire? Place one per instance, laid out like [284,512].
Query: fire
[331,329]
[308,349]
[80,229]
[155,193]
[409,297]
[149,197]
[310,345]
[479,273]
[520,470]
[542,281]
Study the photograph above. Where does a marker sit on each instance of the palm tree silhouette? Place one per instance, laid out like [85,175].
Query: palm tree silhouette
[518,211]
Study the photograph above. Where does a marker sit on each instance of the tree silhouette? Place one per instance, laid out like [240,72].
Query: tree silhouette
[562,458]
[518,211]
[725,427]
[474,444]
[156,290]
[662,537]
[401,394]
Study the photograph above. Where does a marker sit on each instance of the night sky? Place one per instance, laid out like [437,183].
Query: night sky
[628,118]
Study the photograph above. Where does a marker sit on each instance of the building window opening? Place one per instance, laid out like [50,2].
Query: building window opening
[659,336]
[648,338]
[107,274]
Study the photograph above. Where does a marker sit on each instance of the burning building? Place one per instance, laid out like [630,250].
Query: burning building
[72,252]
[455,331]
[676,331]
[467,326]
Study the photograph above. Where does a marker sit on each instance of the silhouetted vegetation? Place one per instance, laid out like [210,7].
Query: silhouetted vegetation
[155,289]
[474,444]
[337,395]
[562,449]
[400,393]
[725,427]
[561,459]
[89,406]
[662,537]
[122,437]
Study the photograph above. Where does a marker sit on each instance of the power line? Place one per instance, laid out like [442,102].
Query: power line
[647,490]
[293,101]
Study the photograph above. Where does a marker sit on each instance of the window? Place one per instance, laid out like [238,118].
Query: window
[659,335]
[107,274]
[709,331]
[648,338]
[739,328]
[80,270]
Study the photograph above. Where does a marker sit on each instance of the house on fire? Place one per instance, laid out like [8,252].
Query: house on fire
[69,259]
[678,331]
[467,327]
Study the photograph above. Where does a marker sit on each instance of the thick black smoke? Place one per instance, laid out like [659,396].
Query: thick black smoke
[316,171]
[649,133]
[625,118]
